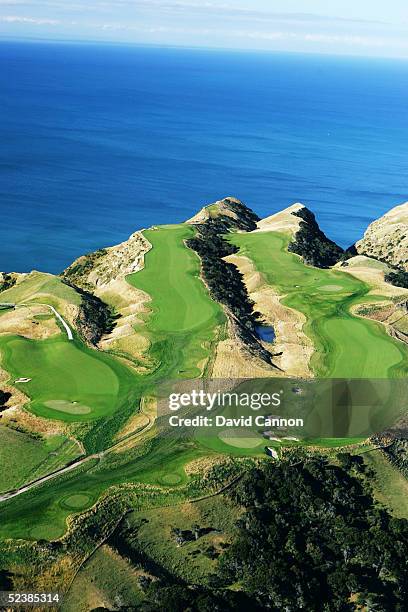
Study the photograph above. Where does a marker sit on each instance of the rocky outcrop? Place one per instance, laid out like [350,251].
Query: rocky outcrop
[312,244]
[99,268]
[95,318]
[386,238]
[234,214]
[284,221]
[308,240]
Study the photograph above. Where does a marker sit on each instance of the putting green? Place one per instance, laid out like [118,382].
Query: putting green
[77,501]
[63,373]
[171,479]
[234,437]
[345,346]
[69,407]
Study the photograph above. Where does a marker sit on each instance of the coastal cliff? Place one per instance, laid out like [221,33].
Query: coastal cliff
[386,238]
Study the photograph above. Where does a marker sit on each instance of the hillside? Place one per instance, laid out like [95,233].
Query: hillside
[386,238]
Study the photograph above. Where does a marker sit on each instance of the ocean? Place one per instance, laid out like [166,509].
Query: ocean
[97,141]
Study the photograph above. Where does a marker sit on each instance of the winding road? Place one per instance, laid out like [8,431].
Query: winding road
[76,463]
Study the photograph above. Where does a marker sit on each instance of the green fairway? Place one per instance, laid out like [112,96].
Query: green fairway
[180,301]
[36,285]
[51,503]
[63,373]
[345,346]
[183,318]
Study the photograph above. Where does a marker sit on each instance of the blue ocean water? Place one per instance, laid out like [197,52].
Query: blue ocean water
[98,141]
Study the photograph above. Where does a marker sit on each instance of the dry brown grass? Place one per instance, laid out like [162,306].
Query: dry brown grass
[130,303]
[291,341]
[17,415]
[21,322]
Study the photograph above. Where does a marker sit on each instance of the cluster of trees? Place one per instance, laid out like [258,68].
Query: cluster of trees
[312,538]
[7,281]
[95,318]
[4,398]
[312,244]
[223,279]
[397,453]
[397,277]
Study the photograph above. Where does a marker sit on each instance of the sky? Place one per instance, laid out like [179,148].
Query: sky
[346,27]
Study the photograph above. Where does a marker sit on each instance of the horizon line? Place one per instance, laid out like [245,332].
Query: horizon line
[212,48]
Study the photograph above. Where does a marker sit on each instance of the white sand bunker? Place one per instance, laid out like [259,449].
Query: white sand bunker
[236,437]
[331,288]
[69,407]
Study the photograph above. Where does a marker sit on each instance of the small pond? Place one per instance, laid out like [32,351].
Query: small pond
[266,333]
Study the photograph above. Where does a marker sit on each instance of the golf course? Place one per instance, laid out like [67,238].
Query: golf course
[346,346]
[70,382]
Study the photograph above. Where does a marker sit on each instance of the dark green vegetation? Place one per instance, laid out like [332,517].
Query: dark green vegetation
[4,398]
[303,534]
[315,528]
[312,244]
[95,318]
[7,281]
[224,279]
[399,278]
[397,453]
[346,346]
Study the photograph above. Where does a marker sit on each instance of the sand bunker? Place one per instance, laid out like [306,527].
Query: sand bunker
[331,288]
[68,407]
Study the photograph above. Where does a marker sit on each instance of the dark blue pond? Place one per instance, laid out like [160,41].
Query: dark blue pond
[265,333]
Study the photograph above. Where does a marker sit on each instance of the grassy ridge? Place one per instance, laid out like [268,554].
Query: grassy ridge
[346,346]
[183,318]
